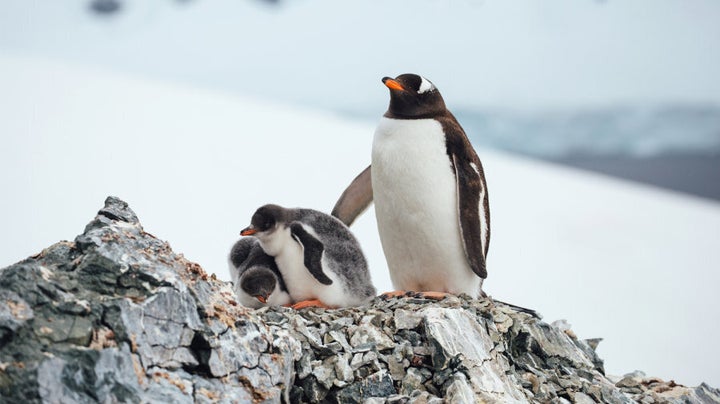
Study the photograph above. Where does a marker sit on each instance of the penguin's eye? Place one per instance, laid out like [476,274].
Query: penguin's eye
[268,222]
[261,221]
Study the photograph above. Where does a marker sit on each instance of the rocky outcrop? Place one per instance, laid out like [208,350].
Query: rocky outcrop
[117,316]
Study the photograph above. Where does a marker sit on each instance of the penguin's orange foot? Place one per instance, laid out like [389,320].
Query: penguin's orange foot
[310,303]
[396,293]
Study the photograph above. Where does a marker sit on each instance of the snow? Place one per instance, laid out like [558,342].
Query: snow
[635,265]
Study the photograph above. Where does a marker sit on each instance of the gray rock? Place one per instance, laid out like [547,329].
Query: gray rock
[304,365]
[313,391]
[473,348]
[424,398]
[115,376]
[368,335]
[343,370]
[117,316]
[53,388]
[629,381]
[14,312]
[234,350]
[378,384]
[414,380]
[324,373]
[582,398]
[460,391]
[406,319]
[593,343]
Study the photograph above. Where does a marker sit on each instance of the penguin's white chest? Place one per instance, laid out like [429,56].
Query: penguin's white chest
[301,285]
[299,281]
[415,195]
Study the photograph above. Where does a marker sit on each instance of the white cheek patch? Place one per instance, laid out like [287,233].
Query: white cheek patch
[425,86]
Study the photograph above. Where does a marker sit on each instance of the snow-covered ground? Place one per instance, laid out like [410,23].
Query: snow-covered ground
[634,265]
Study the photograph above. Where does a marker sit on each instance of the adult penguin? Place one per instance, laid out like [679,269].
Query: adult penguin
[430,193]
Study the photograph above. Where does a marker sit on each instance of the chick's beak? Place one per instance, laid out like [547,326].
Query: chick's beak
[248,231]
[392,84]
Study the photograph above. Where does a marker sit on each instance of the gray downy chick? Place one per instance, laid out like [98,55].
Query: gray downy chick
[317,255]
[256,279]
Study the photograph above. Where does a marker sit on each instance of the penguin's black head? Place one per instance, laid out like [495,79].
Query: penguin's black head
[413,96]
[265,220]
[258,282]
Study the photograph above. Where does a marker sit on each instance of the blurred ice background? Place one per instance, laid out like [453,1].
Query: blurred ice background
[197,111]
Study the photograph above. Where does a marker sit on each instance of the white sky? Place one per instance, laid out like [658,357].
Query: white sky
[524,53]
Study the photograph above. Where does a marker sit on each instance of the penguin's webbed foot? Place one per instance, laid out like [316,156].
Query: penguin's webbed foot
[396,293]
[310,303]
[432,295]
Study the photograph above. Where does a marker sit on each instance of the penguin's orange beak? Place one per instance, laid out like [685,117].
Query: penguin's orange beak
[248,231]
[392,84]
[261,298]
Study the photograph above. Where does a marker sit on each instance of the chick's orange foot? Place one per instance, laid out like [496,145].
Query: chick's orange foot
[310,303]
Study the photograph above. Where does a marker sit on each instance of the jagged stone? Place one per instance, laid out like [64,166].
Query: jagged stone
[424,398]
[14,312]
[117,316]
[459,390]
[472,347]
[324,372]
[582,398]
[343,370]
[367,335]
[312,390]
[414,379]
[406,319]
[593,342]
[378,384]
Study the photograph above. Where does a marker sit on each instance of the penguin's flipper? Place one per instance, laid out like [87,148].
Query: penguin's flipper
[312,250]
[355,199]
[469,187]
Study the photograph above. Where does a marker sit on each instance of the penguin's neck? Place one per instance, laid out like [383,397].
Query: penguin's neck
[276,243]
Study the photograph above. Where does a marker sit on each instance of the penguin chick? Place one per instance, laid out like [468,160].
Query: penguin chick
[316,254]
[256,279]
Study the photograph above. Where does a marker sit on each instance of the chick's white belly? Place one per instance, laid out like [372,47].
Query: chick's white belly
[415,197]
[302,285]
[299,281]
